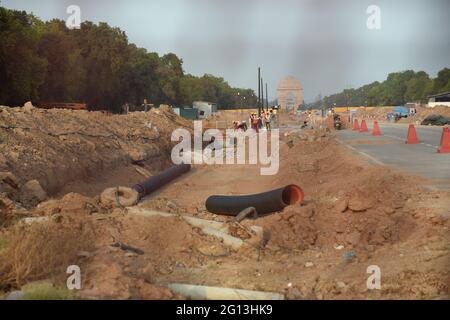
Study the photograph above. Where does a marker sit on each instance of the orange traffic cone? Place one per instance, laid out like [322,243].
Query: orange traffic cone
[363,127]
[445,141]
[355,125]
[376,129]
[412,135]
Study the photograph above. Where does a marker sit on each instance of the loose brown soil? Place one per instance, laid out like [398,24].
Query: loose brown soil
[354,215]
[380,113]
[84,151]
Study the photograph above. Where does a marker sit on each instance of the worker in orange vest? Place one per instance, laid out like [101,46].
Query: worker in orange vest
[255,122]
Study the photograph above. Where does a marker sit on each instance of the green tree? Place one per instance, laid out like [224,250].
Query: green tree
[22,71]
[416,88]
[65,75]
[140,78]
[397,89]
[94,64]
[105,52]
[169,73]
[442,81]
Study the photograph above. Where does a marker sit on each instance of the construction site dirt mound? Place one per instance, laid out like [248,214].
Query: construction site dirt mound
[48,153]
[352,205]
[354,214]
[380,113]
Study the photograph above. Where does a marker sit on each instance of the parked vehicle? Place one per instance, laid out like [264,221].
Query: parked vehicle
[435,120]
[403,112]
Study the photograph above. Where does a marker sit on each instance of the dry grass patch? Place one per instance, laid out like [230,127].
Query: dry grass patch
[42,250]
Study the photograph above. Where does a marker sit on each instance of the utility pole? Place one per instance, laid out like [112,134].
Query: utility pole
[262,95]
[259,91]
[267,99]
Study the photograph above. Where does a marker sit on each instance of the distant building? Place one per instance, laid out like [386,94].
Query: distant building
[441,99]
[205,109]
[186,112]
[290,93]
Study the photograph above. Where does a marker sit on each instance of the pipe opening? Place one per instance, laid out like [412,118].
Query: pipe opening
[292,194]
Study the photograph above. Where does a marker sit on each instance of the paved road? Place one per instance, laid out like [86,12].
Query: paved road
[391,149]
[428,136]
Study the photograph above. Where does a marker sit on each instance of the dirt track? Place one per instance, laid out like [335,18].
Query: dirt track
[354,215]
[383,225]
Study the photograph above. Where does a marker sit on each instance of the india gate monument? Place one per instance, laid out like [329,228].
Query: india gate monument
[290,93]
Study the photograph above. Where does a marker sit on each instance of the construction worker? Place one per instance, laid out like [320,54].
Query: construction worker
[255,122]
[268,119]
[275,117]
[240,125]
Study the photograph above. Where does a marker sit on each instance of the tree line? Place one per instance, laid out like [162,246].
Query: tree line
[95,64]
[399,88]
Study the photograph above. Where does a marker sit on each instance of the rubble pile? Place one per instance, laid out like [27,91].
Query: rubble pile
[354,214]
[380,113]
[44,150]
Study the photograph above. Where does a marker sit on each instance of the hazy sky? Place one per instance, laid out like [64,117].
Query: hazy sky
[325,44]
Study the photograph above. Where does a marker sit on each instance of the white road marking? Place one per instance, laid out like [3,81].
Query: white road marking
[360,152]
[425,144]
[394,137]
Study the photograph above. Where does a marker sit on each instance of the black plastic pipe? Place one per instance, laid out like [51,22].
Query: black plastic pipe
[264,203]
[156,182]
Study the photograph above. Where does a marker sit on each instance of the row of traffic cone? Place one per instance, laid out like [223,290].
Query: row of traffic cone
[412,134]
[375,131]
